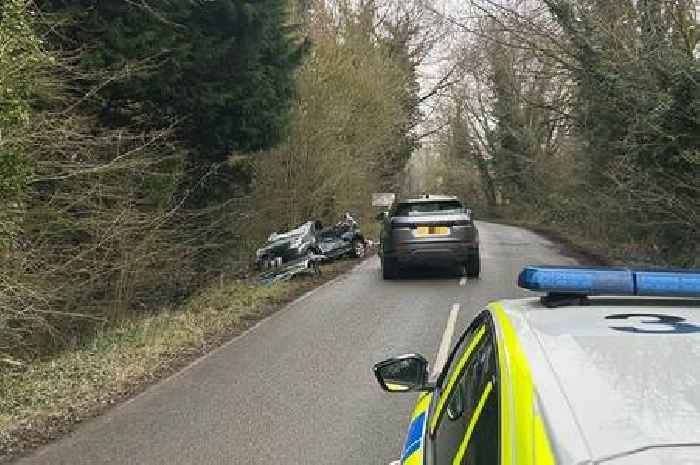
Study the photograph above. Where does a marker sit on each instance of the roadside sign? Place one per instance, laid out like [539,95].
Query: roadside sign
[384,200]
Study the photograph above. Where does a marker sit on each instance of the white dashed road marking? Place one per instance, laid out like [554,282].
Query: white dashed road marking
[446,342]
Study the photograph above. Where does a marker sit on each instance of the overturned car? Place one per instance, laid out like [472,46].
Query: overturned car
[310,241]
[282,249]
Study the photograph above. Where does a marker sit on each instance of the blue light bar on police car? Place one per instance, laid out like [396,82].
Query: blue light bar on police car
[668,283]
[577,280]
[610,281]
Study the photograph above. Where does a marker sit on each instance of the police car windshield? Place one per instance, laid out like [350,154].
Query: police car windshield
[423,208]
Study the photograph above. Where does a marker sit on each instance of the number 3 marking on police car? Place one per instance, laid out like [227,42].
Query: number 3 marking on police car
[675,324]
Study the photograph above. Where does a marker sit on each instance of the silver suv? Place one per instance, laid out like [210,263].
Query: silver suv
[433,230]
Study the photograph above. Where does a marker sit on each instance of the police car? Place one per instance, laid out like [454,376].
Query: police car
[602,369]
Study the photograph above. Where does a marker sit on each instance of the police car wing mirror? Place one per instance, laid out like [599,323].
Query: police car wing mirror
[406,373]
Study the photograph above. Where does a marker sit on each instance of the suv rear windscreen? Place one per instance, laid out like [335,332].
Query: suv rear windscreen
[422,208]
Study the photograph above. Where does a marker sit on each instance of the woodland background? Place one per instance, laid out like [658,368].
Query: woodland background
[148,146]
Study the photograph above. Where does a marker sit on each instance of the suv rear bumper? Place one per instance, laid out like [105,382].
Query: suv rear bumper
[433,253]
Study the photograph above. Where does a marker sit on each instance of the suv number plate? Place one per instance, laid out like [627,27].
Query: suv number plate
[432,231]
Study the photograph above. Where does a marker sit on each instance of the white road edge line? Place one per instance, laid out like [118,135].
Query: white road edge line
[463,282]
[446,342]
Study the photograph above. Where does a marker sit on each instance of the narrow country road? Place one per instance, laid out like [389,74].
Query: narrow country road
[298,388]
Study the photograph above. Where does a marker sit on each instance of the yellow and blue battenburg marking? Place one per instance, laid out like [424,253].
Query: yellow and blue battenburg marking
[413,447]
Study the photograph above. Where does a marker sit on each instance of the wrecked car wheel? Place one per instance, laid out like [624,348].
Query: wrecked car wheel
[358,249]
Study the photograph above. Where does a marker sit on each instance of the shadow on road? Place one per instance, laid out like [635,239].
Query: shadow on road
[429,273]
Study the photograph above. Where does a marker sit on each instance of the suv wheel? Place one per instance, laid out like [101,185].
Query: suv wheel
[473,265]
[390,268]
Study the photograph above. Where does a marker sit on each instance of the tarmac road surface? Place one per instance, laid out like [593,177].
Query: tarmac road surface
[298,388]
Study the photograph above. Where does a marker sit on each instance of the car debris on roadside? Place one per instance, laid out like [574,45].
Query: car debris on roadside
[310,264]
[304,248]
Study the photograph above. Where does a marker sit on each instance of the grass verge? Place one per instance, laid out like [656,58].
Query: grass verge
[44,399]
